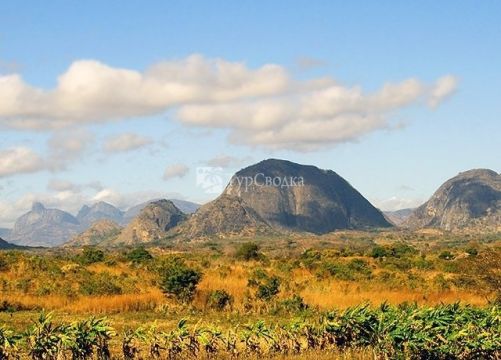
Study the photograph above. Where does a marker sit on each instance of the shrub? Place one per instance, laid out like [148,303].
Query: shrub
[139,255]
[268,289]
[446,255]
[294,304]
[379,252]
[101,284]
[179,280]
[472,251]
[91,255]
[219,300]
[248,251]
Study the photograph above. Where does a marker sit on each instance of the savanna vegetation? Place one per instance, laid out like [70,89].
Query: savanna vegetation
[353,295]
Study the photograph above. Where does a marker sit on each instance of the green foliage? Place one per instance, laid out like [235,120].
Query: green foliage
[248,251]
[139,255]
[219,300]
[352,270]
[91,255]
[179,280]
[101,284]
[446,255]
[389,332]
[268,288]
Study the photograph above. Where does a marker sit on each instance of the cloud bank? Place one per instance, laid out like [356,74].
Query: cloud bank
[263,107]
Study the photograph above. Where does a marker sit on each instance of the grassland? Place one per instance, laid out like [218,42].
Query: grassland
[280,282]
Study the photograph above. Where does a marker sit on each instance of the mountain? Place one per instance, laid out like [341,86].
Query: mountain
[44,227]
[99,211]
[398,217]
[225,215]
[278,195]
[470,199]
[4,245]
[151,224]
[100,231]
[303,198]
[186,207]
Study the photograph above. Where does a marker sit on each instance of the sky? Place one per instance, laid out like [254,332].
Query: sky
[125,101]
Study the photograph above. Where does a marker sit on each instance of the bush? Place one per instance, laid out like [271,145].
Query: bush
[91,255]
[139,255]
[179,280]
[446,255]
[101,284]
[219,300]
[294,304]
[248,251]
[268,289]
[379,252]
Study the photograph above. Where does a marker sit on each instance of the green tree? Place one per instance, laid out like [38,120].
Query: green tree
[91,255]
[248,251]
[179,280]
[139,255]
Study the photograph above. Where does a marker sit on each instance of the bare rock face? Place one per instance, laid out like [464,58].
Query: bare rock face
[99,232]
[470,199]
[227,215]
[44,227]
[303,198]
[151,224]
[276,196]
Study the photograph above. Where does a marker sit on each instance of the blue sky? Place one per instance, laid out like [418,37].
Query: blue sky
[65,151]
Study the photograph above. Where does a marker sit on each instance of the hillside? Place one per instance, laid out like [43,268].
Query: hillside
[471,199]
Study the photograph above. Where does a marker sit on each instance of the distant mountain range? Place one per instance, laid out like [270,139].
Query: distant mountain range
[270,197]
[398,217]
[54,227]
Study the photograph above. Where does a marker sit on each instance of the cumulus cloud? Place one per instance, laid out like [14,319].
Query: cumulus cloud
[175,171]
[19,160]
[260,107]
[126,142]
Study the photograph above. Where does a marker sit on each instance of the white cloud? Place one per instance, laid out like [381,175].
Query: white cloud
[396,203]
[19,160]
[260,107]
[64,146]
[126,142]
[443,89]
[175,171]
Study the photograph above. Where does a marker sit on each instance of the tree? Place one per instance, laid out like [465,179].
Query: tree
[179,280]
[267,290]
[248,251]
[91,255]
[139,255]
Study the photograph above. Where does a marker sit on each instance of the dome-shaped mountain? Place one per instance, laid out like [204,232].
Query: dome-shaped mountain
[470,199]
[303,198]
[43,227]
[151,224]
[276,195]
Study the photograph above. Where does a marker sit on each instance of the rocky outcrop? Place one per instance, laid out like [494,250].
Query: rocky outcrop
[151,224]
[227,215]
[281,196]
[99,232]
[303,198]
[470,199]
